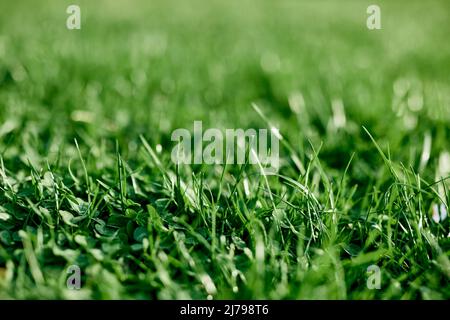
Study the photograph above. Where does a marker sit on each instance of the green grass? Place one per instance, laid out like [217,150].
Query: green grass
[82,113]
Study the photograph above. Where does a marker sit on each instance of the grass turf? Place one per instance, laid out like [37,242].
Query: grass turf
[365,117]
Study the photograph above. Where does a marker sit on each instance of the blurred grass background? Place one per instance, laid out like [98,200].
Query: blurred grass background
[139,67]
[149,67]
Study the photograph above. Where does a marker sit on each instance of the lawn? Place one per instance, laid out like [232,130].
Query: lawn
[87,179]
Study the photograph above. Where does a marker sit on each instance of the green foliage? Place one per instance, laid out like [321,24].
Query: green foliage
[82,182]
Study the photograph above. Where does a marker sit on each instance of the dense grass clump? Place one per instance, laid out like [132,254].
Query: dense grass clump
[86,176]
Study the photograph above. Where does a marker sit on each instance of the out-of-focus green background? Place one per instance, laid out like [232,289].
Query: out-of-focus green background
[151,66]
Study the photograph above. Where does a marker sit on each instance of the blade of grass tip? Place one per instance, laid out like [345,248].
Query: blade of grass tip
[122,178]
[86,176]
[326,181]
[129,172]
[426,151]
[386,160]
[341,183]
[69,167]
[222,176]
[153,155]
[3,175]
[295,158]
